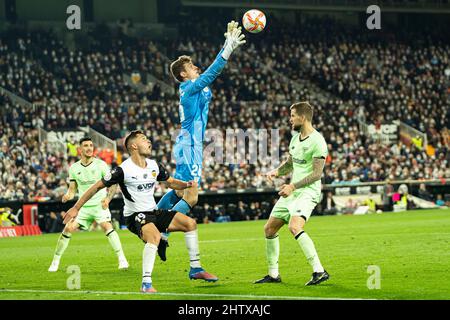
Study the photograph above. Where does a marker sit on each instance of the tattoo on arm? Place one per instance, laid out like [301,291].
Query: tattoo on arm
[286,167]
[318,164]
[111,191]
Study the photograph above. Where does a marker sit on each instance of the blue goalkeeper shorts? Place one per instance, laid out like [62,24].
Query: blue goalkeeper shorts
[189,161]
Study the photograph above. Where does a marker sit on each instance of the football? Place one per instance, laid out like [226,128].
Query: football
[254,21]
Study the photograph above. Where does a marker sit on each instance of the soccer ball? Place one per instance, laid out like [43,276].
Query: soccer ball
[254,21]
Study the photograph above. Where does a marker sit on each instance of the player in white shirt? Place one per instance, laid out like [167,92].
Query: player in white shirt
[137,177]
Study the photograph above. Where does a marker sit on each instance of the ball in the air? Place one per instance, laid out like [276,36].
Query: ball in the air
[254,21]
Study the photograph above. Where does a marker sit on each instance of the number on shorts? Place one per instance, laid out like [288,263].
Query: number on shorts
[140,218]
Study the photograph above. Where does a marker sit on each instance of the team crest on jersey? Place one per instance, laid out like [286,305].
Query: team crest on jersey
[154,173]
[108,176]
[305,149]
[145,176]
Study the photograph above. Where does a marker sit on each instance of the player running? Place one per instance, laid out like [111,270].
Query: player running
[137,177]
[83,174]
[195,97]
[307,154]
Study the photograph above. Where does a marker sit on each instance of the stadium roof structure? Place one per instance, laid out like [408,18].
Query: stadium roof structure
[425,6]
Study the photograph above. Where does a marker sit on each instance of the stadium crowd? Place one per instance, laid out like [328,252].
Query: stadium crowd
[364,78]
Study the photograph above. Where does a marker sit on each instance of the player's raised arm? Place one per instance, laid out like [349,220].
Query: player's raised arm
[234,39]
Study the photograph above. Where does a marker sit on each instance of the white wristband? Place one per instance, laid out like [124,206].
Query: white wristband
[227,52]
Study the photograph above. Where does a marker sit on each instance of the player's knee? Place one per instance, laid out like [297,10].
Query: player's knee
[179,193]
[295,229]
[191,225]
[70,228]
[106,226]
[151,237]
[269,230]
[191,196]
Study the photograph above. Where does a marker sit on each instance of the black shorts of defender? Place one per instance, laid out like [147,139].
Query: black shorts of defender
[160,218]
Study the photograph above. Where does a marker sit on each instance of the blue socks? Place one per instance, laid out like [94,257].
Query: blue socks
[168,200]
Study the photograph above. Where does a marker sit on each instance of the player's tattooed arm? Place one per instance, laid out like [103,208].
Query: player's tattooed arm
[111,192]
[318,165]
[285,168]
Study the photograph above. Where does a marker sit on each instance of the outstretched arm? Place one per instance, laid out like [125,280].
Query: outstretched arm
[73,212]
[178,184]
[234,38]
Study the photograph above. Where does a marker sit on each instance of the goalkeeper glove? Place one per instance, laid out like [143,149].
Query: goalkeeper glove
[234,40]
[230,27]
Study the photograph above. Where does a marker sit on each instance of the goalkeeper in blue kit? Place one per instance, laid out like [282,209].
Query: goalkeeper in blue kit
[195,97]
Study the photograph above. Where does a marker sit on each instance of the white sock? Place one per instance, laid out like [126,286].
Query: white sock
[272,254]
[191,238]
[148,261]
[310,252]
[61,246]
[114,241]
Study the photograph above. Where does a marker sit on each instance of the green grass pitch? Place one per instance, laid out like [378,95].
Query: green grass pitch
[411,250]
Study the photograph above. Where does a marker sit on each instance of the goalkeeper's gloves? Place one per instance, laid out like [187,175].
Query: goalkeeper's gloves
[230,27]
[234,40]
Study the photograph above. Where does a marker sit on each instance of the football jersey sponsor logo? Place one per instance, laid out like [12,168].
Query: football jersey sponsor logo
[145,186]
[154,173]
[299,161]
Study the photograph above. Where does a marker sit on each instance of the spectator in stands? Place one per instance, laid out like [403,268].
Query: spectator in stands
[328,205]
[350,206]
[424,193]
[439,201]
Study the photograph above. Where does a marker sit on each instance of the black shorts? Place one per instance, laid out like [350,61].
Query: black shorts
[160,218]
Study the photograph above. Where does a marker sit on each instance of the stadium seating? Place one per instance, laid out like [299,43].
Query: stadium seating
[362,76]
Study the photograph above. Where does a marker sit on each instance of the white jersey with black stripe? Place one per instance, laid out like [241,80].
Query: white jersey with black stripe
[137,184]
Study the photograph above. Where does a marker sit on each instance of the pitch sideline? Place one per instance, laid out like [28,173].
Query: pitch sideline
[206,295]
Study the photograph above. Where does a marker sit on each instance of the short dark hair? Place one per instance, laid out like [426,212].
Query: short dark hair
[130,137]
[177,67]
[85,139]
[303,108]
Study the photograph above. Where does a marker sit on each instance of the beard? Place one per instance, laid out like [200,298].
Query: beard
[297,127]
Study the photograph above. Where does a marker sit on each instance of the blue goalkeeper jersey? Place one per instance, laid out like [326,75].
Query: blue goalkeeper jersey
[195,96]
